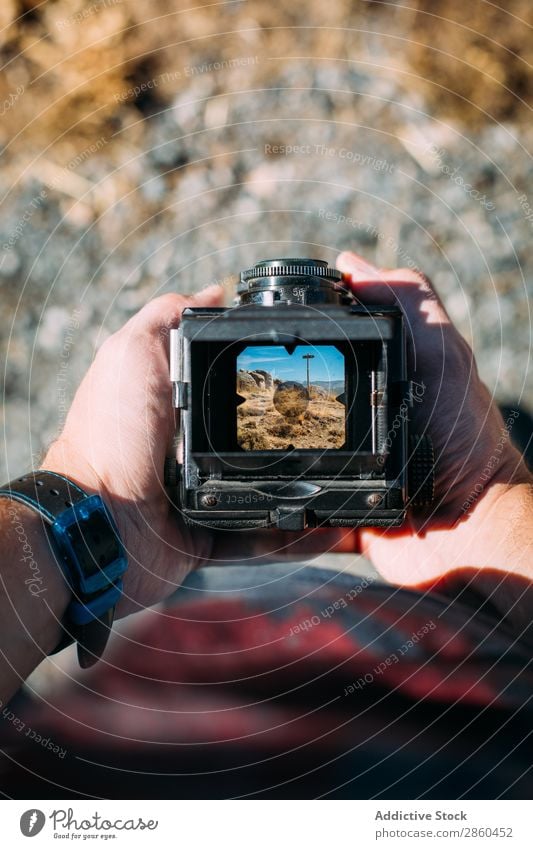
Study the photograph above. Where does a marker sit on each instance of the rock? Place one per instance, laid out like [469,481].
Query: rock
[259,379]
[245,383]
[269,382]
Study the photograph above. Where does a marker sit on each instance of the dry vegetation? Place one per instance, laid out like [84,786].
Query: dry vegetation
[473,60]
[79,58]
[260,427]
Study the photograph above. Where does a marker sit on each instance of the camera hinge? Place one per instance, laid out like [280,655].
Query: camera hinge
[180,393]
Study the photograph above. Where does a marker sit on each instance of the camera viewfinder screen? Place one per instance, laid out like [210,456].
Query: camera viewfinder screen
[290,400]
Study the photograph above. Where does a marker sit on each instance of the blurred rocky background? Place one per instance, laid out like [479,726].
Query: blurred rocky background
[148,147]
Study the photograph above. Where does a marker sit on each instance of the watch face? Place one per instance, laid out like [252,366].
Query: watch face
[94,542]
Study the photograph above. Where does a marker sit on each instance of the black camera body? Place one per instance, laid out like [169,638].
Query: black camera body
[294,407]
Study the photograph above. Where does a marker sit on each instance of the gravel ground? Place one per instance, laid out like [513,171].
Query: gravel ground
[143,154]
[246,157]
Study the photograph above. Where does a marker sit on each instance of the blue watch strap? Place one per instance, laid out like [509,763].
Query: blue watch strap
[47,492]
[89,552]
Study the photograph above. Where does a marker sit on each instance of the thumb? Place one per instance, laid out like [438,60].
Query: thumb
[356,266]
[211,296]
[164,312]
[406,287]
[365,280]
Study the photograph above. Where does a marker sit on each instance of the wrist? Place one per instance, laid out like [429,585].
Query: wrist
[88,548]
[493,556]
[63,460]
[498,531]
[34,595]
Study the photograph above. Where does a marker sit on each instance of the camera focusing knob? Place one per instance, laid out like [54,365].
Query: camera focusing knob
[296,280]
[289,266]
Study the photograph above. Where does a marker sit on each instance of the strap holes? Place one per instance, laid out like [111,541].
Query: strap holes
[54,492]
[68,503]
[39,483]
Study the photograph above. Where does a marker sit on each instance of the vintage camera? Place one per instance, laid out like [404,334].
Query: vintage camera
[294,407]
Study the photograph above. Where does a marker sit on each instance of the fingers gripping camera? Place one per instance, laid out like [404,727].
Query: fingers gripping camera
[294,407]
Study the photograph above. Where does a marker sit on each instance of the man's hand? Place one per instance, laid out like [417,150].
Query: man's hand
[482,515]
[119,430]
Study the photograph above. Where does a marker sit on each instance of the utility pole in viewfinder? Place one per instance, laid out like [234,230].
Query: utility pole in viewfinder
[308,357]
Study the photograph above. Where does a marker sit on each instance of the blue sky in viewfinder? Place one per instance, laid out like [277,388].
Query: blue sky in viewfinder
[328,362]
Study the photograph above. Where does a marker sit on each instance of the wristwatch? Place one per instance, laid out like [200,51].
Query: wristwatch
[88,550]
